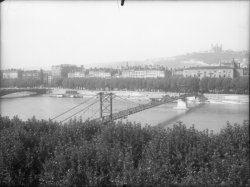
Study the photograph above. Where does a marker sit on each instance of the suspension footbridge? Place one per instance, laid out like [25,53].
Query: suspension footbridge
[107,111]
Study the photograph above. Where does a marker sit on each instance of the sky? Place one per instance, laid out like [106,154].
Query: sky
[39,34]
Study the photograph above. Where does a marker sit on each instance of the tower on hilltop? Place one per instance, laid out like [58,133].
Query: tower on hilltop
[216,48]
[127,66]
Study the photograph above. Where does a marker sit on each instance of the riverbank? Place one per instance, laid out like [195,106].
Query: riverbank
[19,94]
[227,98]
[128,94]
[136,95]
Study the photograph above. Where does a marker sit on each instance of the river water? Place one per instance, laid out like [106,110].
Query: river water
[203,116]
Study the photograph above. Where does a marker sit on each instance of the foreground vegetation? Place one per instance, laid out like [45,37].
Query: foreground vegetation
[43,153]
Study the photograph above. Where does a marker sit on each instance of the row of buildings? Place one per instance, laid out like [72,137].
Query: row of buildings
[71,71]
[142,74]
[230,70]
[28,74]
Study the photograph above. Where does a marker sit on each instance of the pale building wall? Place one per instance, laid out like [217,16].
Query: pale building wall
[215,72]
[99,74]
[11,74]
[76,75]
[142,74]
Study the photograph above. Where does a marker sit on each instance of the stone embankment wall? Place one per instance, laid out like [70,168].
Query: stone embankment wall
[227,98]
[213,98]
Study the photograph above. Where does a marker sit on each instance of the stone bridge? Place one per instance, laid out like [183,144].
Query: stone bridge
[6,91]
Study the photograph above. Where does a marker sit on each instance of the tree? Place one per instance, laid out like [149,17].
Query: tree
[226,84]
[243,85]
[57,82]
[218,84]
[173,85]
[211,84]
[204,84]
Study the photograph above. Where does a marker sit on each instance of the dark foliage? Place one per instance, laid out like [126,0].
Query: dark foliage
[169,84]
[34,153]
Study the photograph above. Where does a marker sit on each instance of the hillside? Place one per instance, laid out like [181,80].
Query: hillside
[190,59]
[203,58]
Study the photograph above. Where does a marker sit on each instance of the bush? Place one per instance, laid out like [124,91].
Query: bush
[87,153]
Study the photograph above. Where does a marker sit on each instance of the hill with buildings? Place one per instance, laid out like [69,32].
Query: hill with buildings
[214,56]
[205,58]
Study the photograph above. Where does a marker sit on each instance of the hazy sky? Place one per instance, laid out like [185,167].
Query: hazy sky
[40,34]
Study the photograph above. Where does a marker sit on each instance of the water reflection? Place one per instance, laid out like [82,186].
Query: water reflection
[180,114]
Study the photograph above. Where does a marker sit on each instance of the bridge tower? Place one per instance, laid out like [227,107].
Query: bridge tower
[106,104]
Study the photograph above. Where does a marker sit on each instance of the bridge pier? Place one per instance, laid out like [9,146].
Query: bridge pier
[182,104]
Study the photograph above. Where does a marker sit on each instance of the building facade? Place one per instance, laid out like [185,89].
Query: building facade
[12,74]
[177,72]
[209,71]
[32,74]
[242,72]
[226,69]
[99,74]
[46,77]
[142,74]
[76,74]
[61,71]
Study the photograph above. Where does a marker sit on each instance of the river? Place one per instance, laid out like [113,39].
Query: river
[203,116]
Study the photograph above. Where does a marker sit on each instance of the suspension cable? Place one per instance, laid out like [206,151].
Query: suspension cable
[128,100]
[94,114]
[86,108]
[73,108]
[123,102]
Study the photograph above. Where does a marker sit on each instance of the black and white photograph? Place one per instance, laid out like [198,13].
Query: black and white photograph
[124,93]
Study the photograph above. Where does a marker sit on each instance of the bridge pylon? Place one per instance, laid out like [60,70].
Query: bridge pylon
[106,105]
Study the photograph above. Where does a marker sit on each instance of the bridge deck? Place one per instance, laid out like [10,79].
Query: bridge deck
[136,109]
